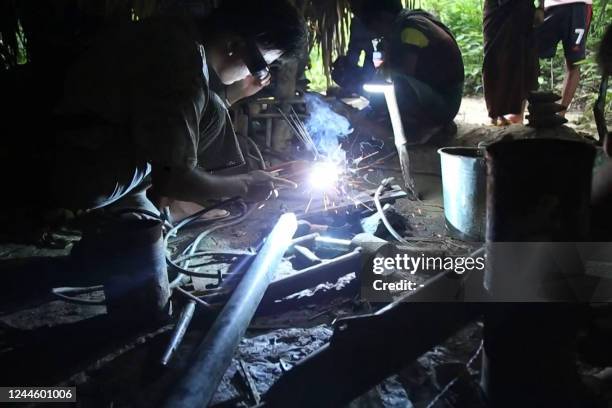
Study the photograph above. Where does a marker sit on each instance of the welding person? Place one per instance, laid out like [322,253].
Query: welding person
[137,103]
[425,64]
[145,90]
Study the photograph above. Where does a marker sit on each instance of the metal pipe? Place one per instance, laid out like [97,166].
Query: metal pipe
[212,357]
[537,209]
[399,136]
[332,244]
[179,331]
[304,239]
[305,255]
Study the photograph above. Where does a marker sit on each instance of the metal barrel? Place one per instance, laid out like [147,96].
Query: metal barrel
[538,194]
[538,205]
[464,191]
[212,357]
[131,256]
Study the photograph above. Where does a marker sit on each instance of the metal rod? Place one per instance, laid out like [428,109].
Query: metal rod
[304,239]
[399,136]
[193,298]
[332,244]
[212,357]
[179,332]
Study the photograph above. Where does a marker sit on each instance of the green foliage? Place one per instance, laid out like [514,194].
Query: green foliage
[464,18]
[315,72]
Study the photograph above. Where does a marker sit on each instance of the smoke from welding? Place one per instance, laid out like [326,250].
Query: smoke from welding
[326,127]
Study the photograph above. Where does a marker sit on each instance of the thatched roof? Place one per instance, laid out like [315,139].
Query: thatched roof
[22,21]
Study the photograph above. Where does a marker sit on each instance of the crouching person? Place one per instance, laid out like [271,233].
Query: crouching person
[143,99]
[425,63]
[137,106]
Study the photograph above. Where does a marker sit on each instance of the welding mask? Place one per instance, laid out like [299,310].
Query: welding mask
[254,60]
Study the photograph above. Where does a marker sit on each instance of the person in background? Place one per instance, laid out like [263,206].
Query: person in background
[567,21]
[602,179]
[425,64]
[604,59]
[510,66]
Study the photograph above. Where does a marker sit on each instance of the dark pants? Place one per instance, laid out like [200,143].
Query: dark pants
[569,24]
[510,67]
[425,109]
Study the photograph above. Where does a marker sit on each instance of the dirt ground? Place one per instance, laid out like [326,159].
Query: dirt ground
[116,368]
[474,111]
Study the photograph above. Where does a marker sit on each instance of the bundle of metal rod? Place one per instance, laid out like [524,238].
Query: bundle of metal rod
[298,127]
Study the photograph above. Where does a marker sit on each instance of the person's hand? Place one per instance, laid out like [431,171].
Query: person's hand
[259,185]
[249,86]
[538,17]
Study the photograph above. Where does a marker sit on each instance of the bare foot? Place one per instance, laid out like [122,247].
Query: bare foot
[514,118]
[500,121]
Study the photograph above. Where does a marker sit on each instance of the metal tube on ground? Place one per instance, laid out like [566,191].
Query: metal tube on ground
[212,357]
[399,136]
[179,331]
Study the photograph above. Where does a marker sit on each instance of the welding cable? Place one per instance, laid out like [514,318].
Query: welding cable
[259,156]
[192,248]
[383,217]
[194,245]
[64,293]
[186,221]
[226,253]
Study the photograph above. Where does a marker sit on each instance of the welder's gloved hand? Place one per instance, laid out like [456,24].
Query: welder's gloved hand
[260,185]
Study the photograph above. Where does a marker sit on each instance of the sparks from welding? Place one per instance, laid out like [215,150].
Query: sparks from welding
[330,174]
[324,175]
